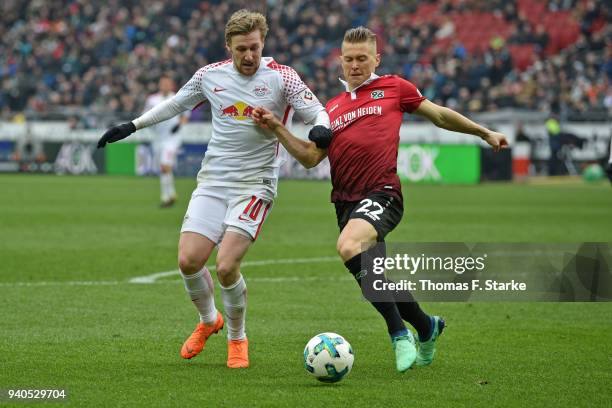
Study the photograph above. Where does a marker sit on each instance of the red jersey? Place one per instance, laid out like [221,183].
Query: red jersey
[365,124]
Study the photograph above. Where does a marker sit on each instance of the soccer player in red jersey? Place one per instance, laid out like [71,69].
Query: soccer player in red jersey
[366,189]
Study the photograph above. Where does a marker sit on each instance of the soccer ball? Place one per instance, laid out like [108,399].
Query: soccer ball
[329,357]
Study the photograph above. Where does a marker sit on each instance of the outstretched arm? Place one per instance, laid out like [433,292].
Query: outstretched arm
[448,119]
[189,96]
[306,152]
[163,111]
[158,113]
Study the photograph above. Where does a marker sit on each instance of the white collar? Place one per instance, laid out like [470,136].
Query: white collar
[372,77]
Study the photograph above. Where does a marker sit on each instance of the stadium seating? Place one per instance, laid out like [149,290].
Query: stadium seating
[104,58]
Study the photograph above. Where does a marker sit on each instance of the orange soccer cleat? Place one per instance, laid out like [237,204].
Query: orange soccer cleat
[238,353]
[195,343]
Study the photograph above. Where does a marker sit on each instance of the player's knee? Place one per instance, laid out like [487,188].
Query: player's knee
[227,271]
[348,248]
[190,264]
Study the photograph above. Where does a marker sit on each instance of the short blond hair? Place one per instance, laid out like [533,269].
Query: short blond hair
[360,34]
[245,22]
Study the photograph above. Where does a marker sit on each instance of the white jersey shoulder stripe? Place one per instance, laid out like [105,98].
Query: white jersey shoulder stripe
[292,83]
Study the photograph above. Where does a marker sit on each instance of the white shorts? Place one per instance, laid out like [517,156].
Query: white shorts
[166,151]
[213,210]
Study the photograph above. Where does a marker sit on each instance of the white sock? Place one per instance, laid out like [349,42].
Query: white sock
[162,186]
[166,181]
[171,190]
[234,301]
[200,289]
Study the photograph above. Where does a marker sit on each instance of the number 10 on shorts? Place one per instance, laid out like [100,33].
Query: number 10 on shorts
[254,214]
[253,209]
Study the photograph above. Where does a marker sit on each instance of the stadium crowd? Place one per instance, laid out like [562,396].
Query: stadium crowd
[60,56]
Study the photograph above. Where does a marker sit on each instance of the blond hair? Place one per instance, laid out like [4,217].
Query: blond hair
[360,34]
[245,22]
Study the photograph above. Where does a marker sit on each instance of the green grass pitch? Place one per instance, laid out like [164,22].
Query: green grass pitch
[70,318]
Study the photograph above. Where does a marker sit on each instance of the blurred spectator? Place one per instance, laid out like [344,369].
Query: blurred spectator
[554,141]
[521,135]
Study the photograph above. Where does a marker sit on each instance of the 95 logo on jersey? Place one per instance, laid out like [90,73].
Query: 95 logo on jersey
[378,94]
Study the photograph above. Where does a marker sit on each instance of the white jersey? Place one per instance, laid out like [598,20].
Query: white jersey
[240,153]
[162,130]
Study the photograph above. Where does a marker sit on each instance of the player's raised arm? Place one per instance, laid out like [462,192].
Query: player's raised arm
[448,119]
[306,152]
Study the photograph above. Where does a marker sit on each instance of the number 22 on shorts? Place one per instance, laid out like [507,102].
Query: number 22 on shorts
[366,208]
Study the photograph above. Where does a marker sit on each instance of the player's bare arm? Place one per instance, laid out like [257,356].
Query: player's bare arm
[306,152]
[448,119]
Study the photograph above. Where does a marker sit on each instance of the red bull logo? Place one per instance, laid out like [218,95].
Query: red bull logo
[238,111]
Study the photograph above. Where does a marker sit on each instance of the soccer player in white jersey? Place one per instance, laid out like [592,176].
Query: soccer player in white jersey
[238,179]
[166,142]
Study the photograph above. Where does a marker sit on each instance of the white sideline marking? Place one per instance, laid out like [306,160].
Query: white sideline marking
[264,279]
[148,279]
[153,277]
[61,283]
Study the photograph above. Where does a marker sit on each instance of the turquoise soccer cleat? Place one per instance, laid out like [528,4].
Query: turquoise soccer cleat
[427,349]
[405,351]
